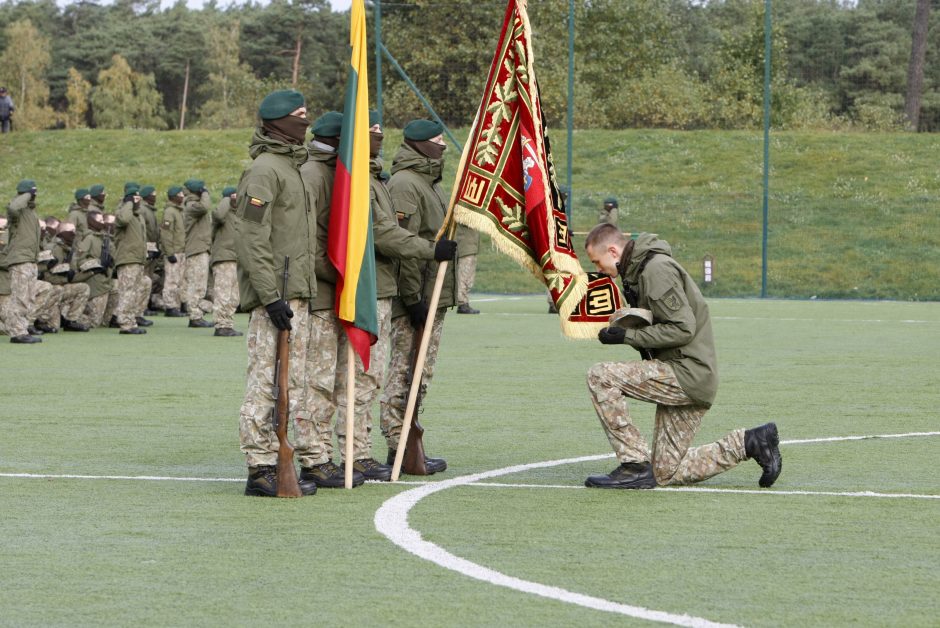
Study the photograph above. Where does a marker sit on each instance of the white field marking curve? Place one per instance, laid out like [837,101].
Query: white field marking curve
[391,520]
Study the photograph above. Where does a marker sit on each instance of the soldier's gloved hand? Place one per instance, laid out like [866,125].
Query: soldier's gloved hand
[99,271]
[70,274]
[612,335]
[418,314]
[52,261]
[171,258]
[280,314]
[153,254]
[445,250]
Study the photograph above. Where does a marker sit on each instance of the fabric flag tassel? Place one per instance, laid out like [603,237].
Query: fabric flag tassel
[506,185]
[349,243]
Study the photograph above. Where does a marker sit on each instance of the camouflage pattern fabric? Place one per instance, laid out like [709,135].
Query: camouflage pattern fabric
[94,311]
[133,287]
[4,298]
[394,400]
[225,293]
[367,385]
[45,301]
[677,420]
[69,301]
[23,286]
[256,431]
[173,282]
[319,402]
[197,281]
[466,273]
[111,305]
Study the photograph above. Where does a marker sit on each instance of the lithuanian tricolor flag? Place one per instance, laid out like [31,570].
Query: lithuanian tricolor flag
[349,244]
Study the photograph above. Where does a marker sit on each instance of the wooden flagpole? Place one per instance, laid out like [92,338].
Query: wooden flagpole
[350,412]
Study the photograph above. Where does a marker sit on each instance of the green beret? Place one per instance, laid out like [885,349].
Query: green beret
[421,130]
[131,188]
[24,186]
[228,191]
[610,200]
[96,190]
[330,124]
[147,190]
[195,185]
[81,193]
[374,118]
[173,190]
[280,103]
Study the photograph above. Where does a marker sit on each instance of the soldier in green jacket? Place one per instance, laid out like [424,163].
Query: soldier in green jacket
[173,246]
[19,258]
[98,196]
[77,213]
[69,297]
[420,206]
[224,276]
[130,255]
[92,267]
[154,266]
[325,328]
[392,244]
[679,374]
[198,222]
[275,220]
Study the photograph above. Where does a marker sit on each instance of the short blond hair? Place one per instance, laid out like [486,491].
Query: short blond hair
[603,235]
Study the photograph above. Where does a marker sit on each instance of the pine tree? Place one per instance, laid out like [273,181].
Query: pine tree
[126,99]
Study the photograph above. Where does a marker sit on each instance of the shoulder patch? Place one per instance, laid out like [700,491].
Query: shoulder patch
[671,300]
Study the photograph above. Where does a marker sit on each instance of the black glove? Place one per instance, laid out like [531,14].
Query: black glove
[171,258]
[280,314]
[611,335]
[418,314]
[106,260]
[153,254]
[445,250]
[99,270]
[70,274]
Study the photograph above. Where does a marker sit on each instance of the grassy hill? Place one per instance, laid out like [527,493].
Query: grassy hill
[850,215]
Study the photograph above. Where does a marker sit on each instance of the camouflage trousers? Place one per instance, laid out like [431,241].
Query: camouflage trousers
[466,273]
[3,306]
[197,282]
[256,430]
[677,420]
[224,293]
[111,305]
[173,283]
[19,312]
[94,311]
[319,403]
[133,288]
[154,270]
[394,399]
[65,300]
[367,385]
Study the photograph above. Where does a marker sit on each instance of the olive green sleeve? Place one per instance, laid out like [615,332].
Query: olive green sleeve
[673,319]
[256,194]
[406,203]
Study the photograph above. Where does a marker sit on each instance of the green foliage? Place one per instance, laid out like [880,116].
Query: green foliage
[23,65]
[668,97]
[77,94]
[232,92]
[126,99]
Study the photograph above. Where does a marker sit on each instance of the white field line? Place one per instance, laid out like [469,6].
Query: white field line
[833,439]
[706,489]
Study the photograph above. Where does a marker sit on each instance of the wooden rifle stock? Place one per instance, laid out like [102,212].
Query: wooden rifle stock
[287,485]
[412,462]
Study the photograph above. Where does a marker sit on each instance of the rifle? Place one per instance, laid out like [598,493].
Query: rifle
[412,461]
[287,485]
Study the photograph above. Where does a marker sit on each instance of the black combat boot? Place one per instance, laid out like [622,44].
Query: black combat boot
[25,339]
[262,481]
[113,323]
[466,308]
[173,312]
[68,325]
[136,331]
[143,322]
[328,475]
[626,475]
[762,444]
[371,469]
[433,465]
[226,332]
[46,328]
[201,322]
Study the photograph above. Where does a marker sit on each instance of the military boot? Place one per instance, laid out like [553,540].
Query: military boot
[433,465]
[200,322]
[46,328]
[113,323]
[68,325]
[466,308]
[25,339]
[328,475]
[762,444]
[143,322]
[626,475]
[371,469]
[174,312]
[226,332]
[262,481]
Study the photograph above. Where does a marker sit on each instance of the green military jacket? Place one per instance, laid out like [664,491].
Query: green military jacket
[23,238]
[87,259]
[149,212]
[392,242]
[198,223]
[172,230]
[468,241]
[275,219]
[223,232]
[78,216]
[318,174]
[57,273]
[681,332]
[420,207]
[130,238]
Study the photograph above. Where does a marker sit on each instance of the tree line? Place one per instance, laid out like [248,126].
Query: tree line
[682,64]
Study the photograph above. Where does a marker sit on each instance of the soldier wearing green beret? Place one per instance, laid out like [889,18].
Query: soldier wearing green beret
[19,258]
[275,220]
[130,255]
[608,213]
[93,268]
[98,196]
[77,213]
[154,266]
[197,218]
[420,207]
[68,297]
[173,246]
[223,259]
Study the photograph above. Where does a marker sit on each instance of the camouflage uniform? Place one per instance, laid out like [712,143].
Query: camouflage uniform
[198,242]
[133,285]
[468,245]
[98,279]
[173,242]
[681,378]
[224,276]
[19,257]
[154,266]
[70,298]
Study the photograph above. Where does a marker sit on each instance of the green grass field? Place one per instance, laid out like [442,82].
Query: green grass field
[848,534]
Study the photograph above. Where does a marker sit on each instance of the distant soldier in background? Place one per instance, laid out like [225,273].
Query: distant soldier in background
[468,245]
[77,213]
[133,286]
[154,266]
[224,275]
[608,213]
[173,245]
[98,196]
[198,221]
[19,258]
[93,267]
[6,111]
[4,276]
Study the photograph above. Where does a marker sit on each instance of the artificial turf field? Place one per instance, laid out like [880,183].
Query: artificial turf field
[156,531]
